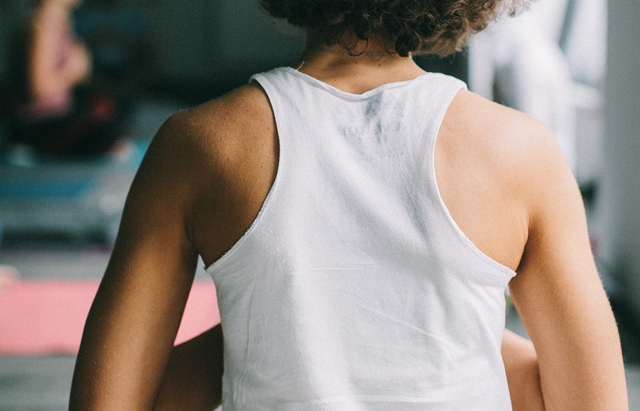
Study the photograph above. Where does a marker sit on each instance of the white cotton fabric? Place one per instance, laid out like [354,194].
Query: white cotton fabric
[354,289]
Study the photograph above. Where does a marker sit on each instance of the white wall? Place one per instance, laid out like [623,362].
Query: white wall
[621,147]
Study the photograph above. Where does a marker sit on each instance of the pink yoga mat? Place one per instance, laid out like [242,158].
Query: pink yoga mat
[47,317]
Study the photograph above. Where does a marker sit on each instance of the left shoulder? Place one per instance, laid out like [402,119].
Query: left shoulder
[501,174]
[222,158]
[518,150]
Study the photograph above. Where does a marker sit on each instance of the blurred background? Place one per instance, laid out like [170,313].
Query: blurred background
[570,63]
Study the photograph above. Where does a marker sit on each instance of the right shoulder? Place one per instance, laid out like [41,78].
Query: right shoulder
[222,122]
[220,158]
[216,135]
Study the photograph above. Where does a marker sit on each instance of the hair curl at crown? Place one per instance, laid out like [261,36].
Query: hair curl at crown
[413,26]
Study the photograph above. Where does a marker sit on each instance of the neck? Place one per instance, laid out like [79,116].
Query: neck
[354,65]
[352,53]
[349,44]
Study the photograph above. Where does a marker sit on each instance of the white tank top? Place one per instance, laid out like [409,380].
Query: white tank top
[354,289]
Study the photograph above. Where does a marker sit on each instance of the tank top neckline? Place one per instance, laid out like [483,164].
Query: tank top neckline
[353,96]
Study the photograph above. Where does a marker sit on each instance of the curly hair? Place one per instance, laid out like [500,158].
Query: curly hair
[414,26]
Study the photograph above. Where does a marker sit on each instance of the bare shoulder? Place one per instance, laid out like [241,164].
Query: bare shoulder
[501,134]
[191,196]
[213,138]
[221,125]
[222,156]
[515,148]
[242,108]
[495,169]
[557,290]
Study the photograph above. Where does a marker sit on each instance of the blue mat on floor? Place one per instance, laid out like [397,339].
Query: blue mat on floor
[66,196]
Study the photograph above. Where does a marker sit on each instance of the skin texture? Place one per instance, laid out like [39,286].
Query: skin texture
[208,171]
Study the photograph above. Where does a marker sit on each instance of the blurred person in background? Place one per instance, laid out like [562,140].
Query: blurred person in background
[119,36]
[53,112]
[535,62]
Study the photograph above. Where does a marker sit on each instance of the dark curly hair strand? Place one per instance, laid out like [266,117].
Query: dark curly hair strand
[413,26]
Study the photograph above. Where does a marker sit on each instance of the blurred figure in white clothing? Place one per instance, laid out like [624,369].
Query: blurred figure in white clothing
[531,62]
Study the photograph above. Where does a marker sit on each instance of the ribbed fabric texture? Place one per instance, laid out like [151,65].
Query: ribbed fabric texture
[354,289]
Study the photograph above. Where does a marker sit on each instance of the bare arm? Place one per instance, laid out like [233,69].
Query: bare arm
[193,379]
[559,295]
[507,185]
[199,188]
[134,319]
[521,364]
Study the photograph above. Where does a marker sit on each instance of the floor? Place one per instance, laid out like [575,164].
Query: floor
[42,383]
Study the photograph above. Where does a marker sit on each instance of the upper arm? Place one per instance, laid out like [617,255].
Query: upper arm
[558,292]
[201,184]
[135,316]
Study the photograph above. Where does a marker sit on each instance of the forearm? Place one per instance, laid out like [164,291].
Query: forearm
[578,349]
[130,330]
[523,375]
[588,376]
[193,378]
[124,349]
